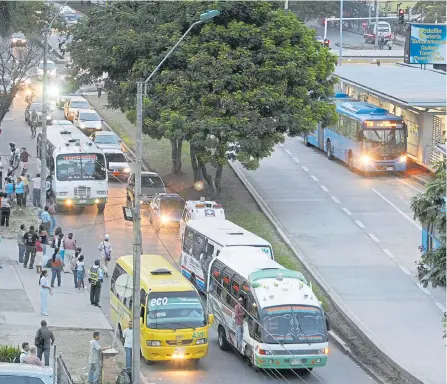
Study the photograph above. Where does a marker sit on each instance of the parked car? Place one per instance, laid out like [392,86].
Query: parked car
[18,39]
[38,107]
[151,184]
[73,105]
[117,164]
[51,69]
[61,100]
[106,140]
[165,211]
[13,373]
[88,121]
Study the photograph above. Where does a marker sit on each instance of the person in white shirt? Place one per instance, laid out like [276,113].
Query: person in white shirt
[24,352]
[94,359]
[36,190]
[105,247]
[128,340]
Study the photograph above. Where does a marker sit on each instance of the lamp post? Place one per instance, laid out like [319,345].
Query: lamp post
[340,46]
[137,214]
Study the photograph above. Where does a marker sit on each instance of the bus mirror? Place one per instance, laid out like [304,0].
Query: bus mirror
[210,319]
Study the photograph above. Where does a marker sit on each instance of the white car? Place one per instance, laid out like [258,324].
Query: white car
[11,373]
[106,140]
[88,121]
[117,164]
[51,69]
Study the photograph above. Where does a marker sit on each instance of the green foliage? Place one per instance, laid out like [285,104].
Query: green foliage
[311,10]
[431,11]
[8,353]
[429,207]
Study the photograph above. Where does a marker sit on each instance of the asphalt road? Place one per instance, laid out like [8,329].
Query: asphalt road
[89,228]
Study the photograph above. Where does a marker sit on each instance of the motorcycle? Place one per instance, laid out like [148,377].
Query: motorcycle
[29,95]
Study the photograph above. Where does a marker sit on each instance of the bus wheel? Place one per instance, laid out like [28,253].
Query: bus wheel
[306,140]
[148,362]
[222,340]
[101,207]
[329,150]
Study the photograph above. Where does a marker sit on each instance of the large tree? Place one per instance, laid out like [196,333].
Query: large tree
[430,11]
[430,208]
[252,75]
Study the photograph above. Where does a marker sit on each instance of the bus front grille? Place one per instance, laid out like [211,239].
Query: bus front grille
[179,342]
[293,353]
[82,191]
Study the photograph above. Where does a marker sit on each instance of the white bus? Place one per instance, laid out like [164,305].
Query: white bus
[284,325]
[77,167]
[204,239]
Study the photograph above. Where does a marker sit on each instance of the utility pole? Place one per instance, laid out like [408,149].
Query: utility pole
[286,5]
[377,24]
[137,241]
[43,143]
[340,46]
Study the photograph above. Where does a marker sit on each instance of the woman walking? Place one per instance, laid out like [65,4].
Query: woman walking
[56,268]
[20,192]
[70,248]
[44,291]
[74,265]
[21,243]
[39,255]
[43,234]
[80,273]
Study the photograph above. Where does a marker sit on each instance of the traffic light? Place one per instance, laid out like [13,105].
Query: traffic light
[401,16]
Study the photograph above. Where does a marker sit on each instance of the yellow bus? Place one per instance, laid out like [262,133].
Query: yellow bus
[173,321]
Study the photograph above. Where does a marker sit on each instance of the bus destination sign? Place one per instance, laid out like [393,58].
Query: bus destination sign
[80,157]
[384,124]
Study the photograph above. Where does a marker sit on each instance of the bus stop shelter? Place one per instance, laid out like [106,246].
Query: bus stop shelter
[418,96]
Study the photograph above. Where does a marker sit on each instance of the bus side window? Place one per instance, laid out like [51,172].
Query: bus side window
[225,295]
[143,304]
[117,272]
[188,240]
[199,246]
[215,280]
[209,250]
[236,290]
[253,318]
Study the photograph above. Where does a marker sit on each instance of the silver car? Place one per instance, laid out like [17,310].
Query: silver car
[117,164]
[151,185]
[11,373]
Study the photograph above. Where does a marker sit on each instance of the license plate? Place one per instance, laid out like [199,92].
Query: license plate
[82,201]
[116,173]
[179,350]
[390,168]
[295,362]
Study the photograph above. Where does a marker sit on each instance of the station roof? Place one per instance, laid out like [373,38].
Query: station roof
[399,84]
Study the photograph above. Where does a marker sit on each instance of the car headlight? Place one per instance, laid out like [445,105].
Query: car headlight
[153,343]
[403,159]
[201,341]
[14,40]
[102,193]
[63,194]
[82,125]
[164,219]
[126,170]
[365,159]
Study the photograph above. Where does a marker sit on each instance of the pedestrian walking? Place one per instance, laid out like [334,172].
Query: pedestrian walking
[21,242]
[55,240]
[39,255]
[24,158]
[45,289]
[94,359]
[36,181]
[43,234]
[56,268]
[32,357]
[105,247]
[60,245]
[70,249]
[80,273]
[74,266]
[128,340]
[99,87]
[44,340]
[20,192]
[24,352]
[5,210]
[95,278]
[46,219]
[30,238]
[25,180]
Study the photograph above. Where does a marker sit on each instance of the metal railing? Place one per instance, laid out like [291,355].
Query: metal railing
[62,374]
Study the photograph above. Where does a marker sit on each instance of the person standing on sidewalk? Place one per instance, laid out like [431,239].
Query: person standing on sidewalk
[105,247]
[24,352]
[80,273]
[24,158]
[46,218]
[39,255]
[44,340]
[99,87]
[70,249]
[21,243]
[5,210]
[43,234]
[30,238]
[94,359]
[128,340]
[20,192]
[36,181]
[32,357]
[25,180]
[95,278]
[45,289]
[56,268]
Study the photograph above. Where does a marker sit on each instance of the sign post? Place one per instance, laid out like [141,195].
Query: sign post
[425,44]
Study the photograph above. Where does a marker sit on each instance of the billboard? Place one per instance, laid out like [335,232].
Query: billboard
[425,44]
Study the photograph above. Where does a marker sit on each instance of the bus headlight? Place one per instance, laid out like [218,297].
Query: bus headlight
[201,341]
[68,202]
[96,201]
[164,219]
[365,159]
[126,170]
[153,343]
[403,159]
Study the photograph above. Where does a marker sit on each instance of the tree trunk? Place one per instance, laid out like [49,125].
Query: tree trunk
[209,180]
[176,156]
[195,163]
[218,179]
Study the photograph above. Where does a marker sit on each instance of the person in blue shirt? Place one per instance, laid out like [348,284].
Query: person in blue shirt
[46,219]
[20,192]
[9,188]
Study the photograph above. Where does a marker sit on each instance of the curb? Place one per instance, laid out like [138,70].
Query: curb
[350,318]
[418,180]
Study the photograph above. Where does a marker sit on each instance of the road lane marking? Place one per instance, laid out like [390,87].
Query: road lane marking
[389,254]
[398,210]
[425,290]
[347,211]
[296,160]
[372,236]
[324,188]
[360,224]
[441,306]
[335,199]
[288,152]
[406,271]
[408,184]
[313,178]
[304,168]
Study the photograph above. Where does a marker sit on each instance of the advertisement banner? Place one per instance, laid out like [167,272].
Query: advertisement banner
[425,44]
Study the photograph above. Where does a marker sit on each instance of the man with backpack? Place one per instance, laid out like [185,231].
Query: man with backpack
[44,340]
[23,353]
[105,247]
[30,239]
[95,278]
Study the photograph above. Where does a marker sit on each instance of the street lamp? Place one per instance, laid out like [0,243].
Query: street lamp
[136,214]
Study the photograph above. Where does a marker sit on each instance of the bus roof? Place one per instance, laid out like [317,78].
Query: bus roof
[363,111]
[155,276]
[226,233]
[272,283]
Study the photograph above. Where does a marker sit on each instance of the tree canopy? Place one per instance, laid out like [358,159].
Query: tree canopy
[431,11]
[232,89]
[430,208]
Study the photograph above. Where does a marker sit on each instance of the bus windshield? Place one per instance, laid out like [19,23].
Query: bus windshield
[293,324]
[88,166]
[175,310]
[384,141]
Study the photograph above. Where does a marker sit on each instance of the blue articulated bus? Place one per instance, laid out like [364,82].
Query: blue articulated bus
[366,137]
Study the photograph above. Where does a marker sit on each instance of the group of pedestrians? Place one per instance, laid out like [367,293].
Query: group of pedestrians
[42,344]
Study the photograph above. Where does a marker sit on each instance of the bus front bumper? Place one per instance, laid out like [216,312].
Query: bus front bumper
[71,202]
[290,362]
[382,166]
[167,353]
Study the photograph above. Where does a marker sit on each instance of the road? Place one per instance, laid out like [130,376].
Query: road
[89,228]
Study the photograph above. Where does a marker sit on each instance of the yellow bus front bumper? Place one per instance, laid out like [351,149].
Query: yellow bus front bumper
[167,353]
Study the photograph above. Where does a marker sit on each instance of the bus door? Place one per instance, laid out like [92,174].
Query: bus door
[320,136]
